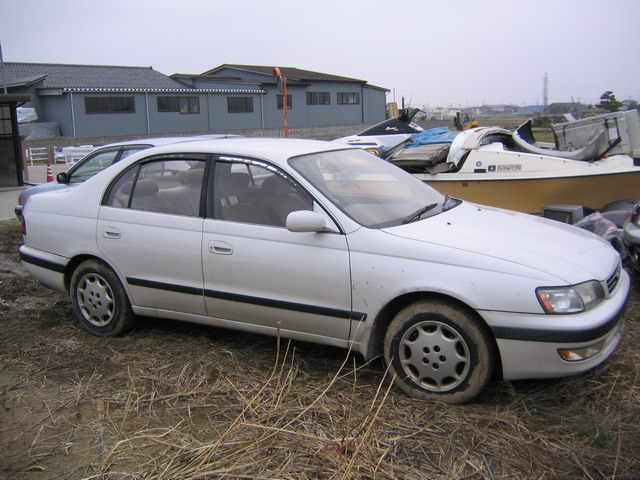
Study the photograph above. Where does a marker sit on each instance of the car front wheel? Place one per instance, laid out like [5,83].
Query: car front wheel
[438,352]
[99,300]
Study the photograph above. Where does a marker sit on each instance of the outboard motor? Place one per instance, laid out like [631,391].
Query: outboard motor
[610,222]
[631,237]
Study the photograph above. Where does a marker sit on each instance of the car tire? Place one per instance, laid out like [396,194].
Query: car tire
[439,352]
[100,301]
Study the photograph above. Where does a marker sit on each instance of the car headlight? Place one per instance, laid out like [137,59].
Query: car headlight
[572,299]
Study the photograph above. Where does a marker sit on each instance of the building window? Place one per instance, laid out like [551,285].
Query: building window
[239,104]
[280,101]
[6,124]
[179,104]
[318,98]
[348,98]
[109,105]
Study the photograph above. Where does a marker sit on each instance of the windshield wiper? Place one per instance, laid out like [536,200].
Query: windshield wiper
[416,215]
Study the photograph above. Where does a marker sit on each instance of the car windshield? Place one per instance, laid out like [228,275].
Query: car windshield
[371,191]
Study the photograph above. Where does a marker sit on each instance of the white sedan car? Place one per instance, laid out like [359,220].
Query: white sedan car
[330,244]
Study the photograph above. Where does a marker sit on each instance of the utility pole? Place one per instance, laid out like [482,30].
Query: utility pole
[282,87]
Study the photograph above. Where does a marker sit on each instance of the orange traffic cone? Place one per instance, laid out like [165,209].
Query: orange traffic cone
[49,173]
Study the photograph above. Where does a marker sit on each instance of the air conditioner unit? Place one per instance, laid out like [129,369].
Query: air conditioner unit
[563,213]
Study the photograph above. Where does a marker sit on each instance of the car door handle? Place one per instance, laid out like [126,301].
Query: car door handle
[221,248]
[110,232]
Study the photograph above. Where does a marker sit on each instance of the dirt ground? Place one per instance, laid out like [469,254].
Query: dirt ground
[176,401]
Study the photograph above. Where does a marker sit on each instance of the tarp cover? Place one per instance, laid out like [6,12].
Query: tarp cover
[26,115]
[432,136]
[31,131]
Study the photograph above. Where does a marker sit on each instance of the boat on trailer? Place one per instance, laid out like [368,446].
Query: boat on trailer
[592,163]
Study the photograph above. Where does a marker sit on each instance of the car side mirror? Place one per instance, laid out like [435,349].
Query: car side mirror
[305,221]
[62,178]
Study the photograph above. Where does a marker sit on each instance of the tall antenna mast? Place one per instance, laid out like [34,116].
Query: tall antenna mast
[545,89]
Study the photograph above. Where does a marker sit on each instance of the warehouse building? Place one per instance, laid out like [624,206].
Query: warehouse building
[99,100]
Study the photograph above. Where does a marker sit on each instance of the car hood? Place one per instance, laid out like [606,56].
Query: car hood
[564,251]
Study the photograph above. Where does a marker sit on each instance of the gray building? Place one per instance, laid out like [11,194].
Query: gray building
[99,100]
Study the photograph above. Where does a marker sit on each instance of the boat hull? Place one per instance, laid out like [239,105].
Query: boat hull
[529,195]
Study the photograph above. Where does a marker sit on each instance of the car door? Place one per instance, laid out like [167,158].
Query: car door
[258,272]
[150,230]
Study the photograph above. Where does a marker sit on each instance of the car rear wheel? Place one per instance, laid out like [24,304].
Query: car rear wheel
[439,352]
[99,300]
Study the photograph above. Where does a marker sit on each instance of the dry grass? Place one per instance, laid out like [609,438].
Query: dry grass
[178,401]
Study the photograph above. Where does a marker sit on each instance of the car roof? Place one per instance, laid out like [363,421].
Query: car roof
[159,141]
[277,149]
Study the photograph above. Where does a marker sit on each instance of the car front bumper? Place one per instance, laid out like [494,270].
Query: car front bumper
[530,345]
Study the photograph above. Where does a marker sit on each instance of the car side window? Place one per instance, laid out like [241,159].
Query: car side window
[92,165]
[130,151]
[163,186]
[252,193]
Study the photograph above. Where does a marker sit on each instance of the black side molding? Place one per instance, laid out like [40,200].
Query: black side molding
[265,302]
[39,262]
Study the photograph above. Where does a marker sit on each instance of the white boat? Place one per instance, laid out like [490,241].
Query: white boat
[493,166]
[386,134]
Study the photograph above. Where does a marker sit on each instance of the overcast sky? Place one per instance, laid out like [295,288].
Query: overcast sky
[446,52]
